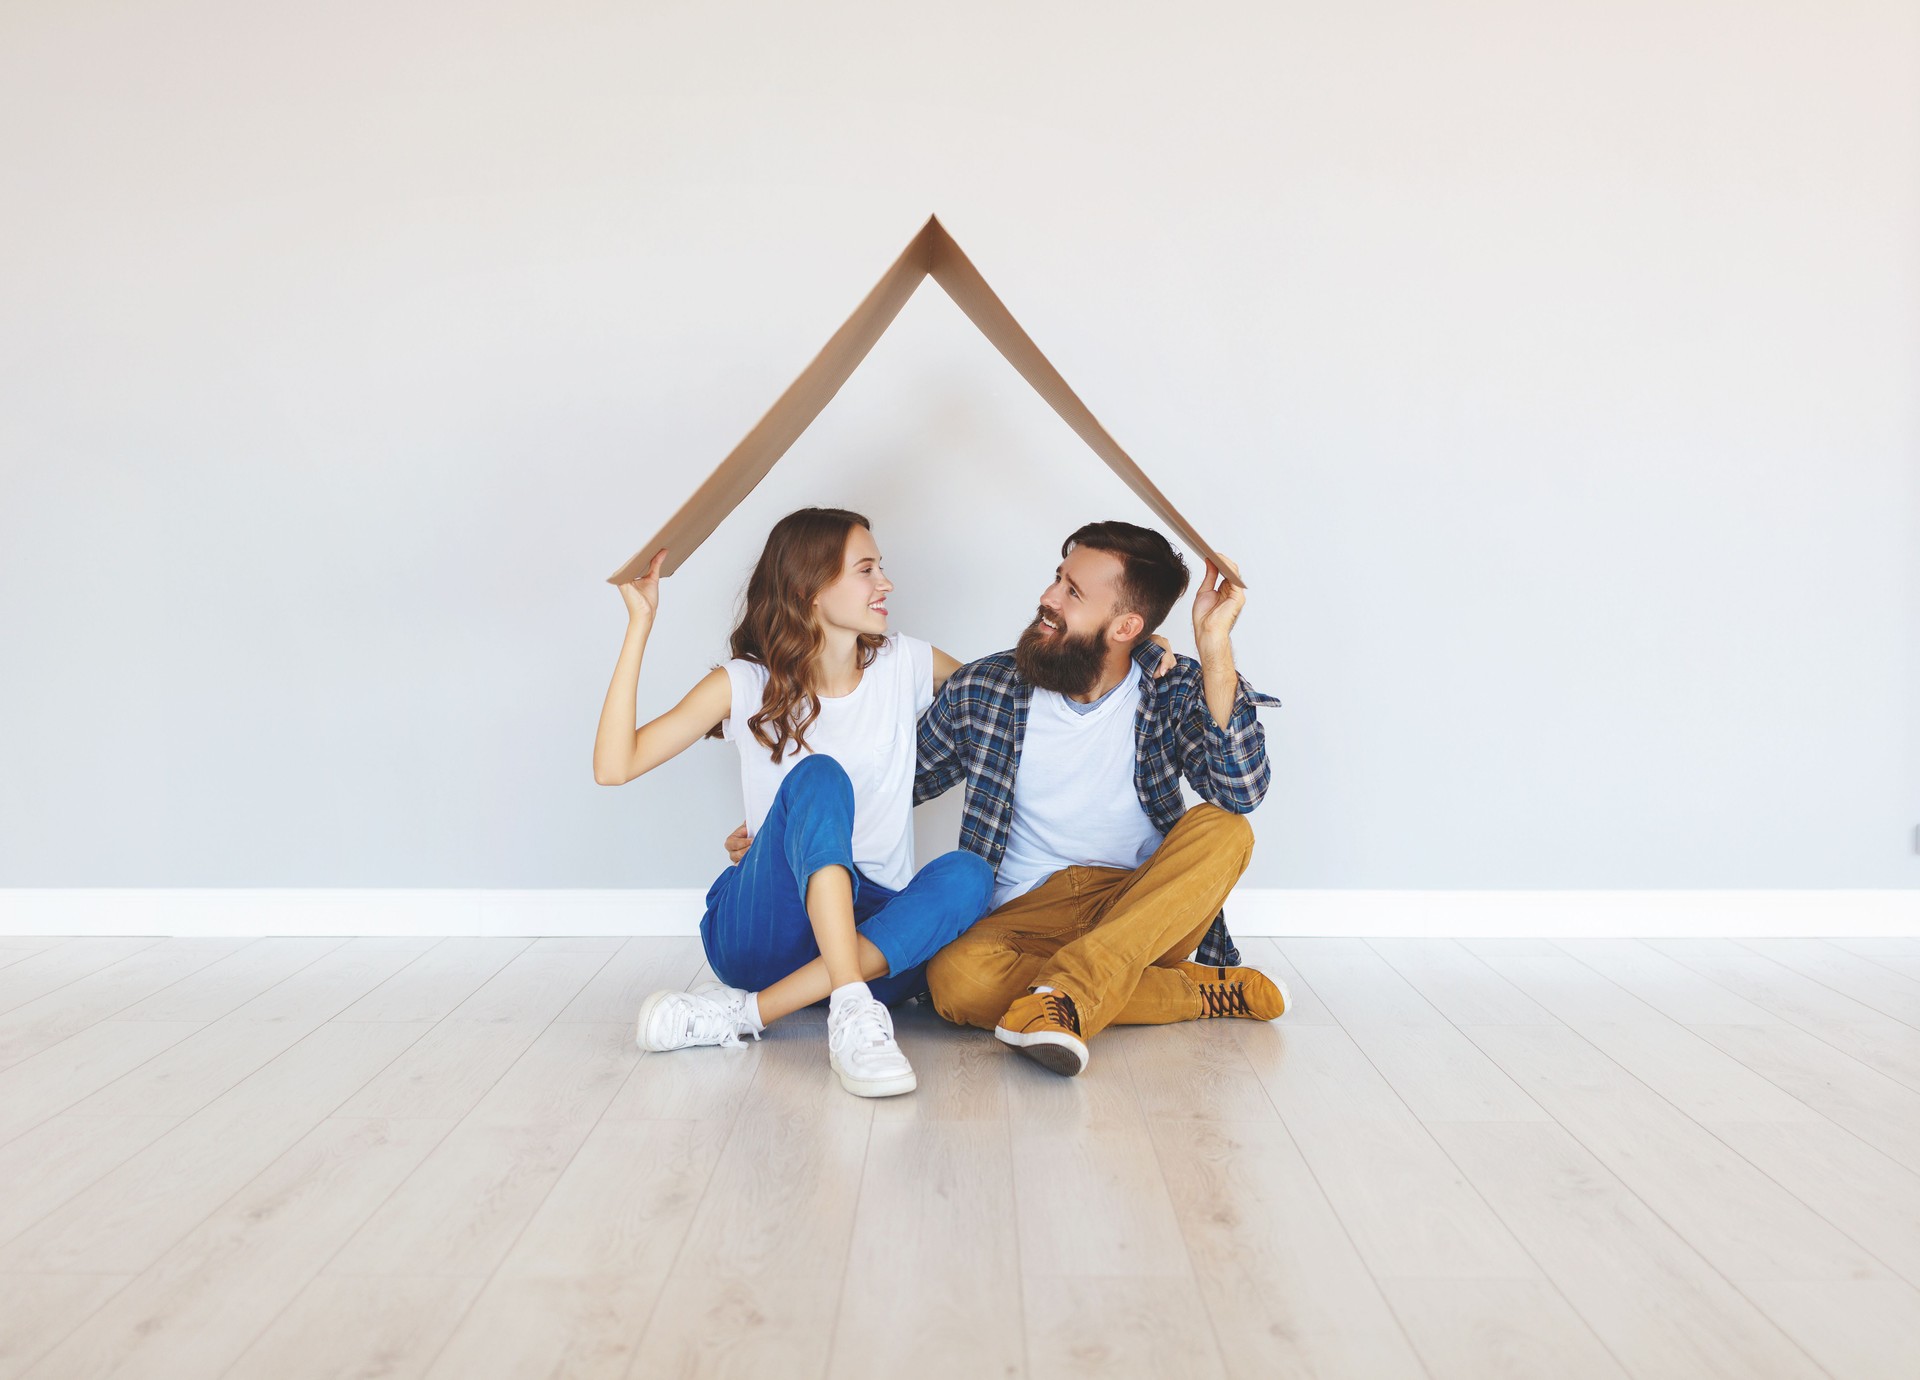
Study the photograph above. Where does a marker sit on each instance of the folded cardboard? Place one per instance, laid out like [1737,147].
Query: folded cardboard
[932,254]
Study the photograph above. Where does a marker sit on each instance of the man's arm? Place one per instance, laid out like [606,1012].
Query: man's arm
[1225,751]
[937,747]
[1216,608]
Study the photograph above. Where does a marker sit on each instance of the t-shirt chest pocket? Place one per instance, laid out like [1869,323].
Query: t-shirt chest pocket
[891,747]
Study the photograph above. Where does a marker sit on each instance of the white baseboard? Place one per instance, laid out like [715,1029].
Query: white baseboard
[1251,912]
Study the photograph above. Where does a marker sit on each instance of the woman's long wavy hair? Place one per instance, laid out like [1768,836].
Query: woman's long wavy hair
[803,555]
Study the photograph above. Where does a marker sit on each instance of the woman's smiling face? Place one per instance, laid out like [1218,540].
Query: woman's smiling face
[857,600]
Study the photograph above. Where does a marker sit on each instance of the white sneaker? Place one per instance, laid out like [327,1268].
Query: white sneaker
[861,1049]
[711,1015]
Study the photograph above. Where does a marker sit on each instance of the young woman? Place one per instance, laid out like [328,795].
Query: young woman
[821,702]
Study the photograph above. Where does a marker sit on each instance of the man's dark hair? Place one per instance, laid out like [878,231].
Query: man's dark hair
[1152,575]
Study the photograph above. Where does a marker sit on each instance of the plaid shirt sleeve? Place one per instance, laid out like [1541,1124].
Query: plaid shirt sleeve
[1227,766]
[940,765]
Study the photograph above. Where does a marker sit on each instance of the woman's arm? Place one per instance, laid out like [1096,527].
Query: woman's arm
[620,751]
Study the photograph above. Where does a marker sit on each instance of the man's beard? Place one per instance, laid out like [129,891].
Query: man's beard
[1059,661]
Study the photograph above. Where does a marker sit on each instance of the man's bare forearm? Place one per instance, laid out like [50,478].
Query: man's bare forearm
[1221,680]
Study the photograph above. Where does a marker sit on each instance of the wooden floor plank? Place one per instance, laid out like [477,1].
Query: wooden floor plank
[536,986]
[1409,1210]
[622,1207]
[1704,1082]
[1118,1327]
[742,1324]
[461,1210]
[1094,1203]
[630,975]
[1656,1305]
[566,1077]
[1872,984]
[1837,1086]
[1666,984]
[1459,984]
[690,1084]
[294,1158]
[1357,983]
[1278,1275]
[1498,1329]
[127,1219]
[48,970]
[1743,1222]
[1442,1075]
[55,1079]
[224,987]
[1195,1069]
[1892,1047]
[782,1197]
[47,1020]
[437,982]
[42,1310]
[204,1300]
[447,1071]
[938,1194]
[398,1326]
[572,1327]
[1871,1198]
[1858,1330]
[191,1073]
[44,1167]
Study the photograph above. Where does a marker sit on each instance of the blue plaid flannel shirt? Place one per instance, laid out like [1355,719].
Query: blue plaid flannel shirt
[974,729]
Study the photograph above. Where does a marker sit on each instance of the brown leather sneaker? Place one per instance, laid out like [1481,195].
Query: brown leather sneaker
[1244,992]
[1045,1027]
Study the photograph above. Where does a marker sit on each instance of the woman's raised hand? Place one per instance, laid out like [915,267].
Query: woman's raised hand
[642,593]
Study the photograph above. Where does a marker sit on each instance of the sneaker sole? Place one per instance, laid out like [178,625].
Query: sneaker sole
[1061,1054]
[640,1026]
[646,1014]
[878,1087]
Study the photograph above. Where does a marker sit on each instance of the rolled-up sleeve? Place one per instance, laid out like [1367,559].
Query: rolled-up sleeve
[1228,766]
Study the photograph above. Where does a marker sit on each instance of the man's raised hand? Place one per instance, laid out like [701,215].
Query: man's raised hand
[1217,603]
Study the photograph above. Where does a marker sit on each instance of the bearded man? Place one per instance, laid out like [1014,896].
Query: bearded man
[1072,752]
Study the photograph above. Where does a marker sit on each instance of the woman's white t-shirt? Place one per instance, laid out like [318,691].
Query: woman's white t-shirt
[870,732]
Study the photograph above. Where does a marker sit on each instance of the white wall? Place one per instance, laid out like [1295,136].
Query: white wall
[1551,369]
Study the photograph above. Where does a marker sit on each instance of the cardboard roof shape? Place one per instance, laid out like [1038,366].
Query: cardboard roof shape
[932,254]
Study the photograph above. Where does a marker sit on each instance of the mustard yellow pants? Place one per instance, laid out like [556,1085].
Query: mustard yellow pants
[1107,937]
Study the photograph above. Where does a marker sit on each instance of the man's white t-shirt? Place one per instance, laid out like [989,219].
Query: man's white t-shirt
[870,733]
[1074,799]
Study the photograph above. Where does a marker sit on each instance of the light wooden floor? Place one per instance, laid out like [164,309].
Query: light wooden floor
[289,1158]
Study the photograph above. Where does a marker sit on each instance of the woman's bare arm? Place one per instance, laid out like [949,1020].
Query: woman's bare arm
[620,751]
[943,666]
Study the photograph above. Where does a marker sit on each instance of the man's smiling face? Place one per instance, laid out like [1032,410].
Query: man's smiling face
[1065,645]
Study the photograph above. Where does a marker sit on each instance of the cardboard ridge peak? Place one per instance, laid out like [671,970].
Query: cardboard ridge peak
[932,253]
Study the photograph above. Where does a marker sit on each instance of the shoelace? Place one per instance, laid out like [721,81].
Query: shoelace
[1225,998]
[869,1024]
[708,1022]
[1061,1010]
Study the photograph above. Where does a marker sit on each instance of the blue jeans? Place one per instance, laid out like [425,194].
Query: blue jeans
[756,929]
